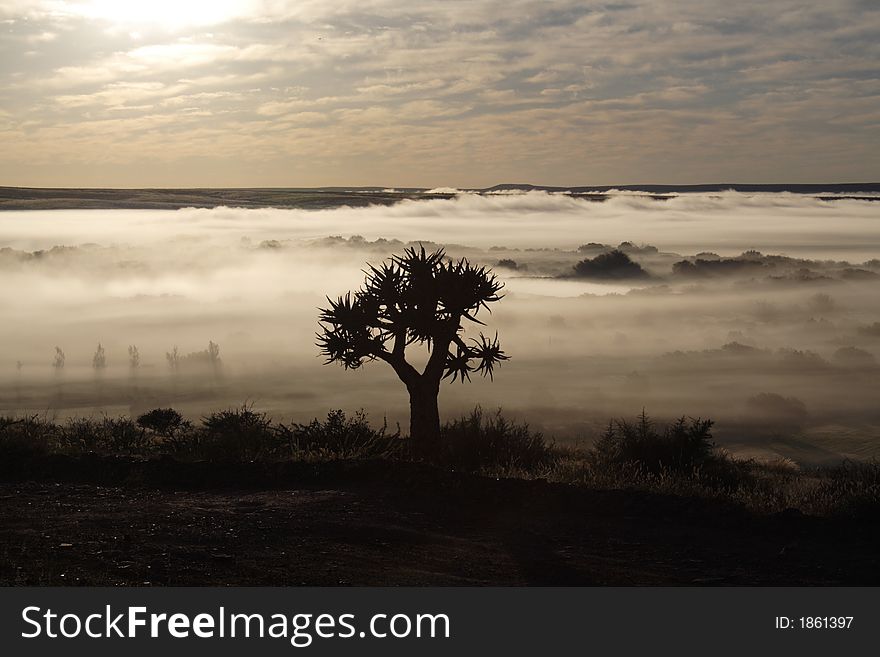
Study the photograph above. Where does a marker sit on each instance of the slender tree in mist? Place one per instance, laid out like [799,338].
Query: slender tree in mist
[99,364]
[134,359]
[18,367]
[58,365]
[134,364]
[173,358]
[99,360]
[58,361]
[421,299]
[214,357]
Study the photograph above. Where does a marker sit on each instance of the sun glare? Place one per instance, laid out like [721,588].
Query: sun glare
[166,13]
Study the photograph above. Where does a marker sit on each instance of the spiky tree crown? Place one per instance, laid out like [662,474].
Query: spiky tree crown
[417,297]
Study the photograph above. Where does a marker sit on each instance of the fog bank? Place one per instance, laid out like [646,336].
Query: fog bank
[781,351]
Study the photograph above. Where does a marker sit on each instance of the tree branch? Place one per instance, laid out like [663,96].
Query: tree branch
[461,343]
[406,372]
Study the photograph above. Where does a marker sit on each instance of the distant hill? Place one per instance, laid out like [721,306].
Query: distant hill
[796,188]
[31,198]
[36,198]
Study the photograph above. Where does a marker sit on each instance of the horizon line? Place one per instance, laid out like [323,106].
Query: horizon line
[520,185]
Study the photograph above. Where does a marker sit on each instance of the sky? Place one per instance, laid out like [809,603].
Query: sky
[461,93]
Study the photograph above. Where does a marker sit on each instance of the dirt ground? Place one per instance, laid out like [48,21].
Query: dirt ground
[129,523]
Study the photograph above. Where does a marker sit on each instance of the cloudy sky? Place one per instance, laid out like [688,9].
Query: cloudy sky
[459,92]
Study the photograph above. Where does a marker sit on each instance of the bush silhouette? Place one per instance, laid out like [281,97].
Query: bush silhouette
[613,265]
[238,434]
[25,437]
[507,263]
[341,437]
[716,267]
[854,357]
[871,330]
[852,489]
[122,435]
[680,446]
[678,459]
[479,441]
[82,434]
[774,408]
[165,422]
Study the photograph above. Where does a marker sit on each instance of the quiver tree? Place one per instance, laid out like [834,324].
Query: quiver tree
[416,299]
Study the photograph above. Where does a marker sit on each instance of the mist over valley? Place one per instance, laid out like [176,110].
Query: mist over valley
[759,310]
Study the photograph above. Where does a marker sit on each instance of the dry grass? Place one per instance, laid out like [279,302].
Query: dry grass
[676,460]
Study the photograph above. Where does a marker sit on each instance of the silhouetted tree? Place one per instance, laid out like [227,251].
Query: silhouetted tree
[99,360]
[59,360]
[18,367]
[173,358]
[134,357]
[416,298]
[214,355]
[58,365]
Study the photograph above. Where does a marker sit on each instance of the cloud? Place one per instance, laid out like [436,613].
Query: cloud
[565,92]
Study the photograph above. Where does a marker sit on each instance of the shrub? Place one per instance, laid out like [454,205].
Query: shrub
[613,265]
[821,303]
[165,422]
[507,263]
[30,436]
[123,435]
[772,407]
[478,441]
[82,435]
[854,357]
[715,267]
[25,437]
[341,437]
[852,488]
[680,446]
[237,434]
[871,330]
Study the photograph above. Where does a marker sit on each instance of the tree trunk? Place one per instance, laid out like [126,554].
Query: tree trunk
[424,418]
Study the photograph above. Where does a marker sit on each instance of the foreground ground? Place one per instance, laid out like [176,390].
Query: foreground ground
[115,522]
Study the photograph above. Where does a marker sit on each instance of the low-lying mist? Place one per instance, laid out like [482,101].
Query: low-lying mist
[758,310]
